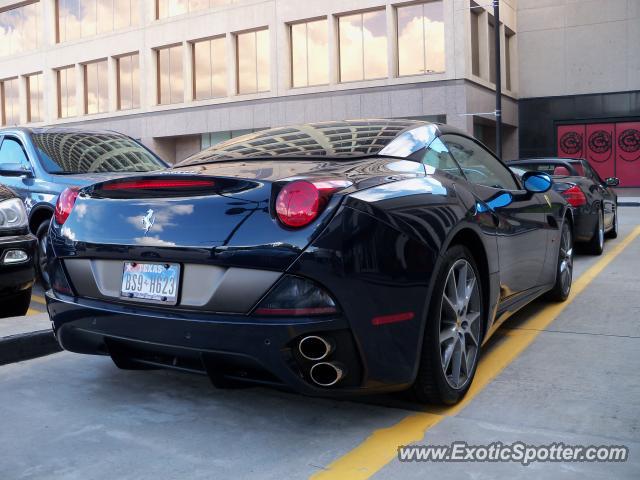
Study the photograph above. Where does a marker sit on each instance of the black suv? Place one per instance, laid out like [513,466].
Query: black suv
[39,163]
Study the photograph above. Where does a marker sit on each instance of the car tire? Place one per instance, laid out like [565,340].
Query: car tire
[454,328]
[564,268]
[596,244]
[613,233]
[16,305]
[40,258]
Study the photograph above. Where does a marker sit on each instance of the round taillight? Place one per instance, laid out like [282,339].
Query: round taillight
[65,203]
[298,203]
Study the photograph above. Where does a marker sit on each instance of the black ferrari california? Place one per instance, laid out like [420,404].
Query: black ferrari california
[332,258]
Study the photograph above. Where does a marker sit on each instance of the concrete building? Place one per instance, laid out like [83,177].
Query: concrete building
[183,74]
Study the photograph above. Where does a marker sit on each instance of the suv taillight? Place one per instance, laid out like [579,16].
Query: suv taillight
[296,296]
[575,196]
[65,203]
[300,202]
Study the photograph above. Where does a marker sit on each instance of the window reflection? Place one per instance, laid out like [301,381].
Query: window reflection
[253,61]
[96,87]
[170,8]
[129,82]
[363,46]
[209,68]
[10,102]
[84,18]
[66,92]
[20,29]
[170,80]
[421,39]
[310,53]
[35,98]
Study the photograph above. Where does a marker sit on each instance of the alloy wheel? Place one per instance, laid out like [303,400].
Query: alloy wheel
[460,324]
[601,229]
[566,260]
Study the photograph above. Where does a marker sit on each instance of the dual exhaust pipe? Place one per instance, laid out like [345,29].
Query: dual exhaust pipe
[316,349]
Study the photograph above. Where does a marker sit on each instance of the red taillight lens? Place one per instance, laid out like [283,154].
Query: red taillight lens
[575,196]
[299,202]
[65,203]
[157,184]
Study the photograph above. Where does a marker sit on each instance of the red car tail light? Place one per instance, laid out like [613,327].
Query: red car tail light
[300,202]
[295,296]
[157,184]
[575,196]
[65,203]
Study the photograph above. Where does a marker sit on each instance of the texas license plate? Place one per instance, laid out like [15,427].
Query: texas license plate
[153,282]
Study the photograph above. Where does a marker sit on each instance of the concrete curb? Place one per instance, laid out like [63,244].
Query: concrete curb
[25,346]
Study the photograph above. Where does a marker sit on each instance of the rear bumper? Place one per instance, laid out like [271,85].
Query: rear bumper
[226,347]
[18,276]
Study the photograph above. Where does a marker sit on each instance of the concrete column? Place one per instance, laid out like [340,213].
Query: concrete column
[80,106]
[22,99]
[187,71]
[232,72]
[392,42]
[334,54]
[112,83]
[149,78]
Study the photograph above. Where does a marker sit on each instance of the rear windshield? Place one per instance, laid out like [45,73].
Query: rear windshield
[77,152]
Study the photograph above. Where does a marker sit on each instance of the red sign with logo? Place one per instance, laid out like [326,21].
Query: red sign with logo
[612,149]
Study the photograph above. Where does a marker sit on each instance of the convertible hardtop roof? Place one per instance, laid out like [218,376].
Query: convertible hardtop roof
[332,139]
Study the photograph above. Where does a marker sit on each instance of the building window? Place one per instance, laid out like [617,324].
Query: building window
[492,51]
[84,18]
[10,102]
[129,82]
[35,98]
[96,89]
[210,139]
[475,42]
[509,37]
[66,92]
[253,61]
[310,53]
[363,46]
[421,39]
[170,8]
[170,79]
[20,29]
[209,68]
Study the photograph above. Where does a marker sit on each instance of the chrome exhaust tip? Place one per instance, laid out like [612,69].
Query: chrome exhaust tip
[327,374]
[315,348]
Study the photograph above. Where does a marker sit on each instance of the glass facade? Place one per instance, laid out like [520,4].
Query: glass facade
[129,82]
[66,92]
[310,53]
[96,89]
[209,68]
[10,102]
[20,29]
[170,75]
[84,18]
[421,39]
[35,98]
[253,61]
[363,46]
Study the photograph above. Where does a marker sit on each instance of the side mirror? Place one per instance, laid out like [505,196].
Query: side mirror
[14,170]
[536,182]
[612,182]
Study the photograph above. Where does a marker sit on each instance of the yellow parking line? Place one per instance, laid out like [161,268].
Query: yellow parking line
[38,299]
[32,311]
[382,446]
